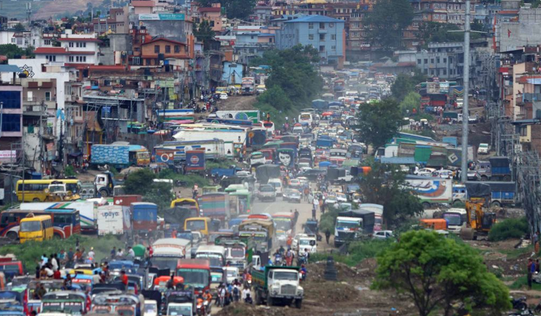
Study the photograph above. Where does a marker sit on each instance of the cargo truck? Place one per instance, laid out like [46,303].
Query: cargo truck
[276,284]
[119,155]
[430,190]
[145,216]
[215,205]
[502,192]
[114,220]
[500,169]
[353,225]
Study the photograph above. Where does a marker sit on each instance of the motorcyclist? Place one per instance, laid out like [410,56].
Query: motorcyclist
[278,257]
[281,250]
[303,271]
[208,297]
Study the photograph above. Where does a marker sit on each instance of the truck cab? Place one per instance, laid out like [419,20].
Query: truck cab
[346,229]
[105,183]
[277,284]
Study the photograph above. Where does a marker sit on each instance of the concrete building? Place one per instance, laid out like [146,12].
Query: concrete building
[443,60]
[11,113]
[213,16]
[175,26]
[157,51]
[323,33]
[517,32]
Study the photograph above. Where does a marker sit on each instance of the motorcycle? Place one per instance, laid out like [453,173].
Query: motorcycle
[203,309]
[302,275]
[278,260]
[519,303]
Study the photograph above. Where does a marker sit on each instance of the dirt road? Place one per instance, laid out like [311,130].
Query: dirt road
[235,103]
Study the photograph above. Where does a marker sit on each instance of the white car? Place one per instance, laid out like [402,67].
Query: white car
[424,172]
[443,174]
[383,234]
[223,96]
[483,149]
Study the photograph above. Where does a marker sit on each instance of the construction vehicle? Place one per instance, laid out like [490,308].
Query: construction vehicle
[479,218]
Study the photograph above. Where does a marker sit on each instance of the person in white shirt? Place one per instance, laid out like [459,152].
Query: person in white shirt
[245,292]
[91,254]
[131,253]
[120,253]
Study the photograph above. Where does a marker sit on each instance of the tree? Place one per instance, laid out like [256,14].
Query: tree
[430,32]
[439,272]
[141,182]
[411,102]
[277,97]
[235,9]
[204,32]
[402,86]
[19,28]
[386,23]
[379,122]
[13,51]
[384,185]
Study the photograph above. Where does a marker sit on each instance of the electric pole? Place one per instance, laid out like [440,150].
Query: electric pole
[466,73]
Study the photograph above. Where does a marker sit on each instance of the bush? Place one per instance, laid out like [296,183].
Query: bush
[509,228]
[189,179]
[358,251]
[69,171]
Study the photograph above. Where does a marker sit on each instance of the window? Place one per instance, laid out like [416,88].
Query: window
[70,59]
[156,49]
[425,61]
[438,60]
[419,61]
[331,24]
[47,42]
[11,122]
[168,49]
[11,99]
[322,49]
[47,96]
[444,60]
[333,37]
[311,26]
[322,37]
[333,47]
[212,24]
[432,60]
[50,57]
[444,71]
[322,26]
[311,37]
[70,44]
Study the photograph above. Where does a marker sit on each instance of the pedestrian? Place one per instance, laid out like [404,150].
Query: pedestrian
[531,268]
[124,278]
[328,234]
[314,212]
[91,254]
[246,291]
[535,242]
[70,257]
[113,252]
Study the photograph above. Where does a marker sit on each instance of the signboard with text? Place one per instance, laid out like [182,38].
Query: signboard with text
[195,160]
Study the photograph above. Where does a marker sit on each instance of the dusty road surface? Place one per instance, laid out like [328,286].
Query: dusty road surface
[234,103]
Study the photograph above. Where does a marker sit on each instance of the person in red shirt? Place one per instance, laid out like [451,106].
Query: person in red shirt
[124,278]
[56,275]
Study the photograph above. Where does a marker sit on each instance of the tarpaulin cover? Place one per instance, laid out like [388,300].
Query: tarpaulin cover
[478,189]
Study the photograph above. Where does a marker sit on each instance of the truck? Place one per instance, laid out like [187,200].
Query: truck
[173,152]
[261,230]
[379,212]
[324,141]
[180,303]
[502,192]
[352,225]
[114,220]
[248,85]
[456,218]
[105,183]
[277,284]
[127,200]
[430,190]
[119,155]
[266,172]
[145,217]
[224,172]
[215,205]
[87,211]
[500,168]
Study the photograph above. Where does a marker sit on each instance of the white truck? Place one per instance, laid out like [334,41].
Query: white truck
[378,210]
[114,220]
[277,285]
[346,229]
[430,190]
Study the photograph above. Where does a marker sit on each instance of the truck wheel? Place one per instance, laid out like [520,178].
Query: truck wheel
[12,235]
[35,200]
[484,178]
[103,193]
[496,203]
[426,205]
[269,301]
[298,303]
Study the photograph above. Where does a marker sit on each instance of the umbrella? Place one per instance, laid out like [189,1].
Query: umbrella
[327,113]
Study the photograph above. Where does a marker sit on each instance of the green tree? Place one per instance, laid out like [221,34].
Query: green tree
[384,185]
[430,32]
[438,272]
[277,97]
[386,23]
[379,122]
[204,32]
[13,51]
[235,9]
[19,28]
[402,86]
[141,182]
[410,102]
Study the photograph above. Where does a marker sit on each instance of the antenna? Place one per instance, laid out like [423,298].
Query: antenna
[28,6]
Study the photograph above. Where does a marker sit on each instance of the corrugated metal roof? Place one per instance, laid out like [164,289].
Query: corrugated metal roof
[9,68]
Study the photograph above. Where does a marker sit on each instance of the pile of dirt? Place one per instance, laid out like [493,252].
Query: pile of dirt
[344,272]
[251,310]
[325,293]
[367,268]
[237,103]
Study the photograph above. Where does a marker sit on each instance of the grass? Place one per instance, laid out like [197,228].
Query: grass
[358,251]
[522,283]
[515,253]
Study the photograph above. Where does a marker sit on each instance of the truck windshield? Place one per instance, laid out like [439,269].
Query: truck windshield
[345,224]
[237,252]
[195,225]
[306,242]
[165,262]
[30,226]
[282,223]
[179,310]
[215,260]
[197,278]
[453,219]
[287,276]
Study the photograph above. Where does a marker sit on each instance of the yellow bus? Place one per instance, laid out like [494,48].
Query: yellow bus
[37,228]
[198,224]
[35,190]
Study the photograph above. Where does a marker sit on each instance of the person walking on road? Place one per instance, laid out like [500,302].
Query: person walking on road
[531,269]
[328,234]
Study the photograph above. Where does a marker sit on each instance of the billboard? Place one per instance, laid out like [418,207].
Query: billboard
[246,115]
[162,17]
[195,160]
[7,156]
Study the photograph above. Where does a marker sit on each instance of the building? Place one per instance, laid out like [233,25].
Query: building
[75,50]
[522,29]
[213,16]
[158,51]
[323,33]
[11,109]
[443,60]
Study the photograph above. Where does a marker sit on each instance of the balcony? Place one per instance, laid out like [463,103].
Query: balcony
[322,31]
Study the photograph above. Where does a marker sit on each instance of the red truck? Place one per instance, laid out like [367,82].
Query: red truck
[127,200]
[196,273]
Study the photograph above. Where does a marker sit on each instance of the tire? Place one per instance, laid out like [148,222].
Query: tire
[426,205]
[496,204]
[484,178]
[12,235]
[269,301]
[298,303]
[35,200]
[104,193]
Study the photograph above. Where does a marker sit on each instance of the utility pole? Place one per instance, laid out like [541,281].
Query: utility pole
[466,62]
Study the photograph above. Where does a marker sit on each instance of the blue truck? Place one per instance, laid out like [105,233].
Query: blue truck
[500,168]
[502,192]
[324,141]
[145,216]
[221,172]
[119,155]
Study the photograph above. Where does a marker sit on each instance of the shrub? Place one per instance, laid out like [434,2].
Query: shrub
[509,228]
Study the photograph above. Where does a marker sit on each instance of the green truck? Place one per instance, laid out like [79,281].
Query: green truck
[277,284]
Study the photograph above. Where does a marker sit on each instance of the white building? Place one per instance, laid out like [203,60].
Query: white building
[75,50]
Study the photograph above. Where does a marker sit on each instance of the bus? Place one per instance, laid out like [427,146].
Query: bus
[66,222]
[35,190]
[185,203]
[37,228]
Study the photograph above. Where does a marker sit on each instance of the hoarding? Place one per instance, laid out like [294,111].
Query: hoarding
[195,160]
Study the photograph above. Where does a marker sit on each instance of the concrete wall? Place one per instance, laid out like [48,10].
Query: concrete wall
[526,31]
[175,30]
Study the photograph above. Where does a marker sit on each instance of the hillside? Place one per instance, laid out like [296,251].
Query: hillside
[54,8]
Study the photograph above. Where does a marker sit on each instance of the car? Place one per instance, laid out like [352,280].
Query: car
[483,149]
[292,195]
[341,198]
[277,184]
[331,199]
[267,192]
[294,183]
[383,234]
[443,174]
[223,96]
[424,172]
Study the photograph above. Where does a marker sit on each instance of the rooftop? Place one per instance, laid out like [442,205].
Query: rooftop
[315,19]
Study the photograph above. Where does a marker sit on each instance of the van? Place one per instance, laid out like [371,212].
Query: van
[37,228]
[277,184]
